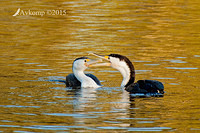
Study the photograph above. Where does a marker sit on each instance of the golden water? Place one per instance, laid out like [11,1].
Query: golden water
[161,38]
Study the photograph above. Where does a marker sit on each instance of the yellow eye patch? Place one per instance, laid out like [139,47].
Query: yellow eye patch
[87,60]
[106,57]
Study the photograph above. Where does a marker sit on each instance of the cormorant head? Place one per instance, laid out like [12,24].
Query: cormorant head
[82,63]
[116,61]
[122,64]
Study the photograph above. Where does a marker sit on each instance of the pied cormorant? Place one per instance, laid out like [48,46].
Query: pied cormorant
[126,68]
[78,78]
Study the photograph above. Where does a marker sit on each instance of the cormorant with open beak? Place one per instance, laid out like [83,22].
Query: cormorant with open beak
[126,68]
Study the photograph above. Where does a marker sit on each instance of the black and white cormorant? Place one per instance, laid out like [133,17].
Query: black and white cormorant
[126,68]
[78,78]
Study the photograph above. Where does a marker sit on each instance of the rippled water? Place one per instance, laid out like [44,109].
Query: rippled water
[161,38]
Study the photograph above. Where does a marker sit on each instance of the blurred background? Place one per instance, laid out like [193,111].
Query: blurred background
[161,38]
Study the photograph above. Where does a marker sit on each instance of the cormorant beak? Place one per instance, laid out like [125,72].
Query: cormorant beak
[102,57]
[91,62]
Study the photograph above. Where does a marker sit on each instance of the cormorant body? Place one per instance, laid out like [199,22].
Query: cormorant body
[126,68]
[78,78]
[72,81]
[146,86]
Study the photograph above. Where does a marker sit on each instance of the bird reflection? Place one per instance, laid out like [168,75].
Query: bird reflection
[106,106]
[84,98]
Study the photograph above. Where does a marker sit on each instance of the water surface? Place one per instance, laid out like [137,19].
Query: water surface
[161,38]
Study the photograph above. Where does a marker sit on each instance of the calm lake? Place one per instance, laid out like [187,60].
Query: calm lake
[40,39]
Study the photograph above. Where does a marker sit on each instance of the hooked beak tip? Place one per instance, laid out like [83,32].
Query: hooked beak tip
[101,56]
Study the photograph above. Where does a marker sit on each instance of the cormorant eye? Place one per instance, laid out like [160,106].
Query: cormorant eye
[109,57]
[85,60]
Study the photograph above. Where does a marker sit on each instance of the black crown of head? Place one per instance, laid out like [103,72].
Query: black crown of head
[81,58]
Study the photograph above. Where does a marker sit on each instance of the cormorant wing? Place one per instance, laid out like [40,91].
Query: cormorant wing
[72,81]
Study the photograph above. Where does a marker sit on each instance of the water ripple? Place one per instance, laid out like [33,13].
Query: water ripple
[18,106]
[138,129]
[176,61]
[182,68]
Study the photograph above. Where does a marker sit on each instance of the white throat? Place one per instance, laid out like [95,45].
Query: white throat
[125,71]
[126,76]
[86,82]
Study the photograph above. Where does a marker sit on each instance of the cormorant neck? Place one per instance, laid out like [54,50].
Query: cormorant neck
[125,66]
[85,80]
[131,79]
[128,74]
